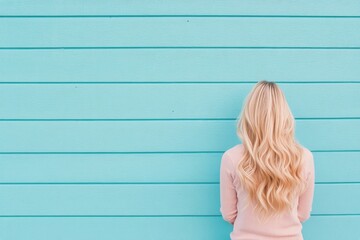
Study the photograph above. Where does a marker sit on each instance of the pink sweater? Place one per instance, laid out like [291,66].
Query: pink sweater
[245,224]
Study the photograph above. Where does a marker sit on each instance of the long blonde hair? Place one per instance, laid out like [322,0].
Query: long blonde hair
[270,166]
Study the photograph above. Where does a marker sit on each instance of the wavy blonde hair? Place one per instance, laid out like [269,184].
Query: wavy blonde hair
[270,166]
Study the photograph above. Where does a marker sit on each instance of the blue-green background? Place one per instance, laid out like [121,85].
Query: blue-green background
[115,114]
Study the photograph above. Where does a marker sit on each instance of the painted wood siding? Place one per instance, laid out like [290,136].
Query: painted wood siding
[114,115]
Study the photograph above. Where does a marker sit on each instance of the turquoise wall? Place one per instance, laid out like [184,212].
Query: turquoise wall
[115,114]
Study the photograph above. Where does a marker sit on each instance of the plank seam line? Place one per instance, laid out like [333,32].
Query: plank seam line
[187,82]
[147,183]
[175,16]
[163,152]
[151,216]
[150,119]
[177,47]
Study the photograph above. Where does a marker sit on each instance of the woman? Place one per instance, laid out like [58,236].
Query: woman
[267,182]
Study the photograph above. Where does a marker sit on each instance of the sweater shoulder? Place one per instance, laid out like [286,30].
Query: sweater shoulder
[234,153]
[308,161]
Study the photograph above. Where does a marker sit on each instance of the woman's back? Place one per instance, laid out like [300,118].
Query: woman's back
[245,221]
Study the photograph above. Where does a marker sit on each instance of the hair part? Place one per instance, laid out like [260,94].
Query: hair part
[271,163]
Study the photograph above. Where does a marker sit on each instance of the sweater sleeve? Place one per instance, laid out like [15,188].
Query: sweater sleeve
[228,197]
[306,198]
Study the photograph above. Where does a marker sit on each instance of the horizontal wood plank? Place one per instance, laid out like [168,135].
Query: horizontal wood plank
[166,168]
[158,228]
[160,135]
[172,101]
[194,7]
[147,199]
[179,65]
[179,32]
